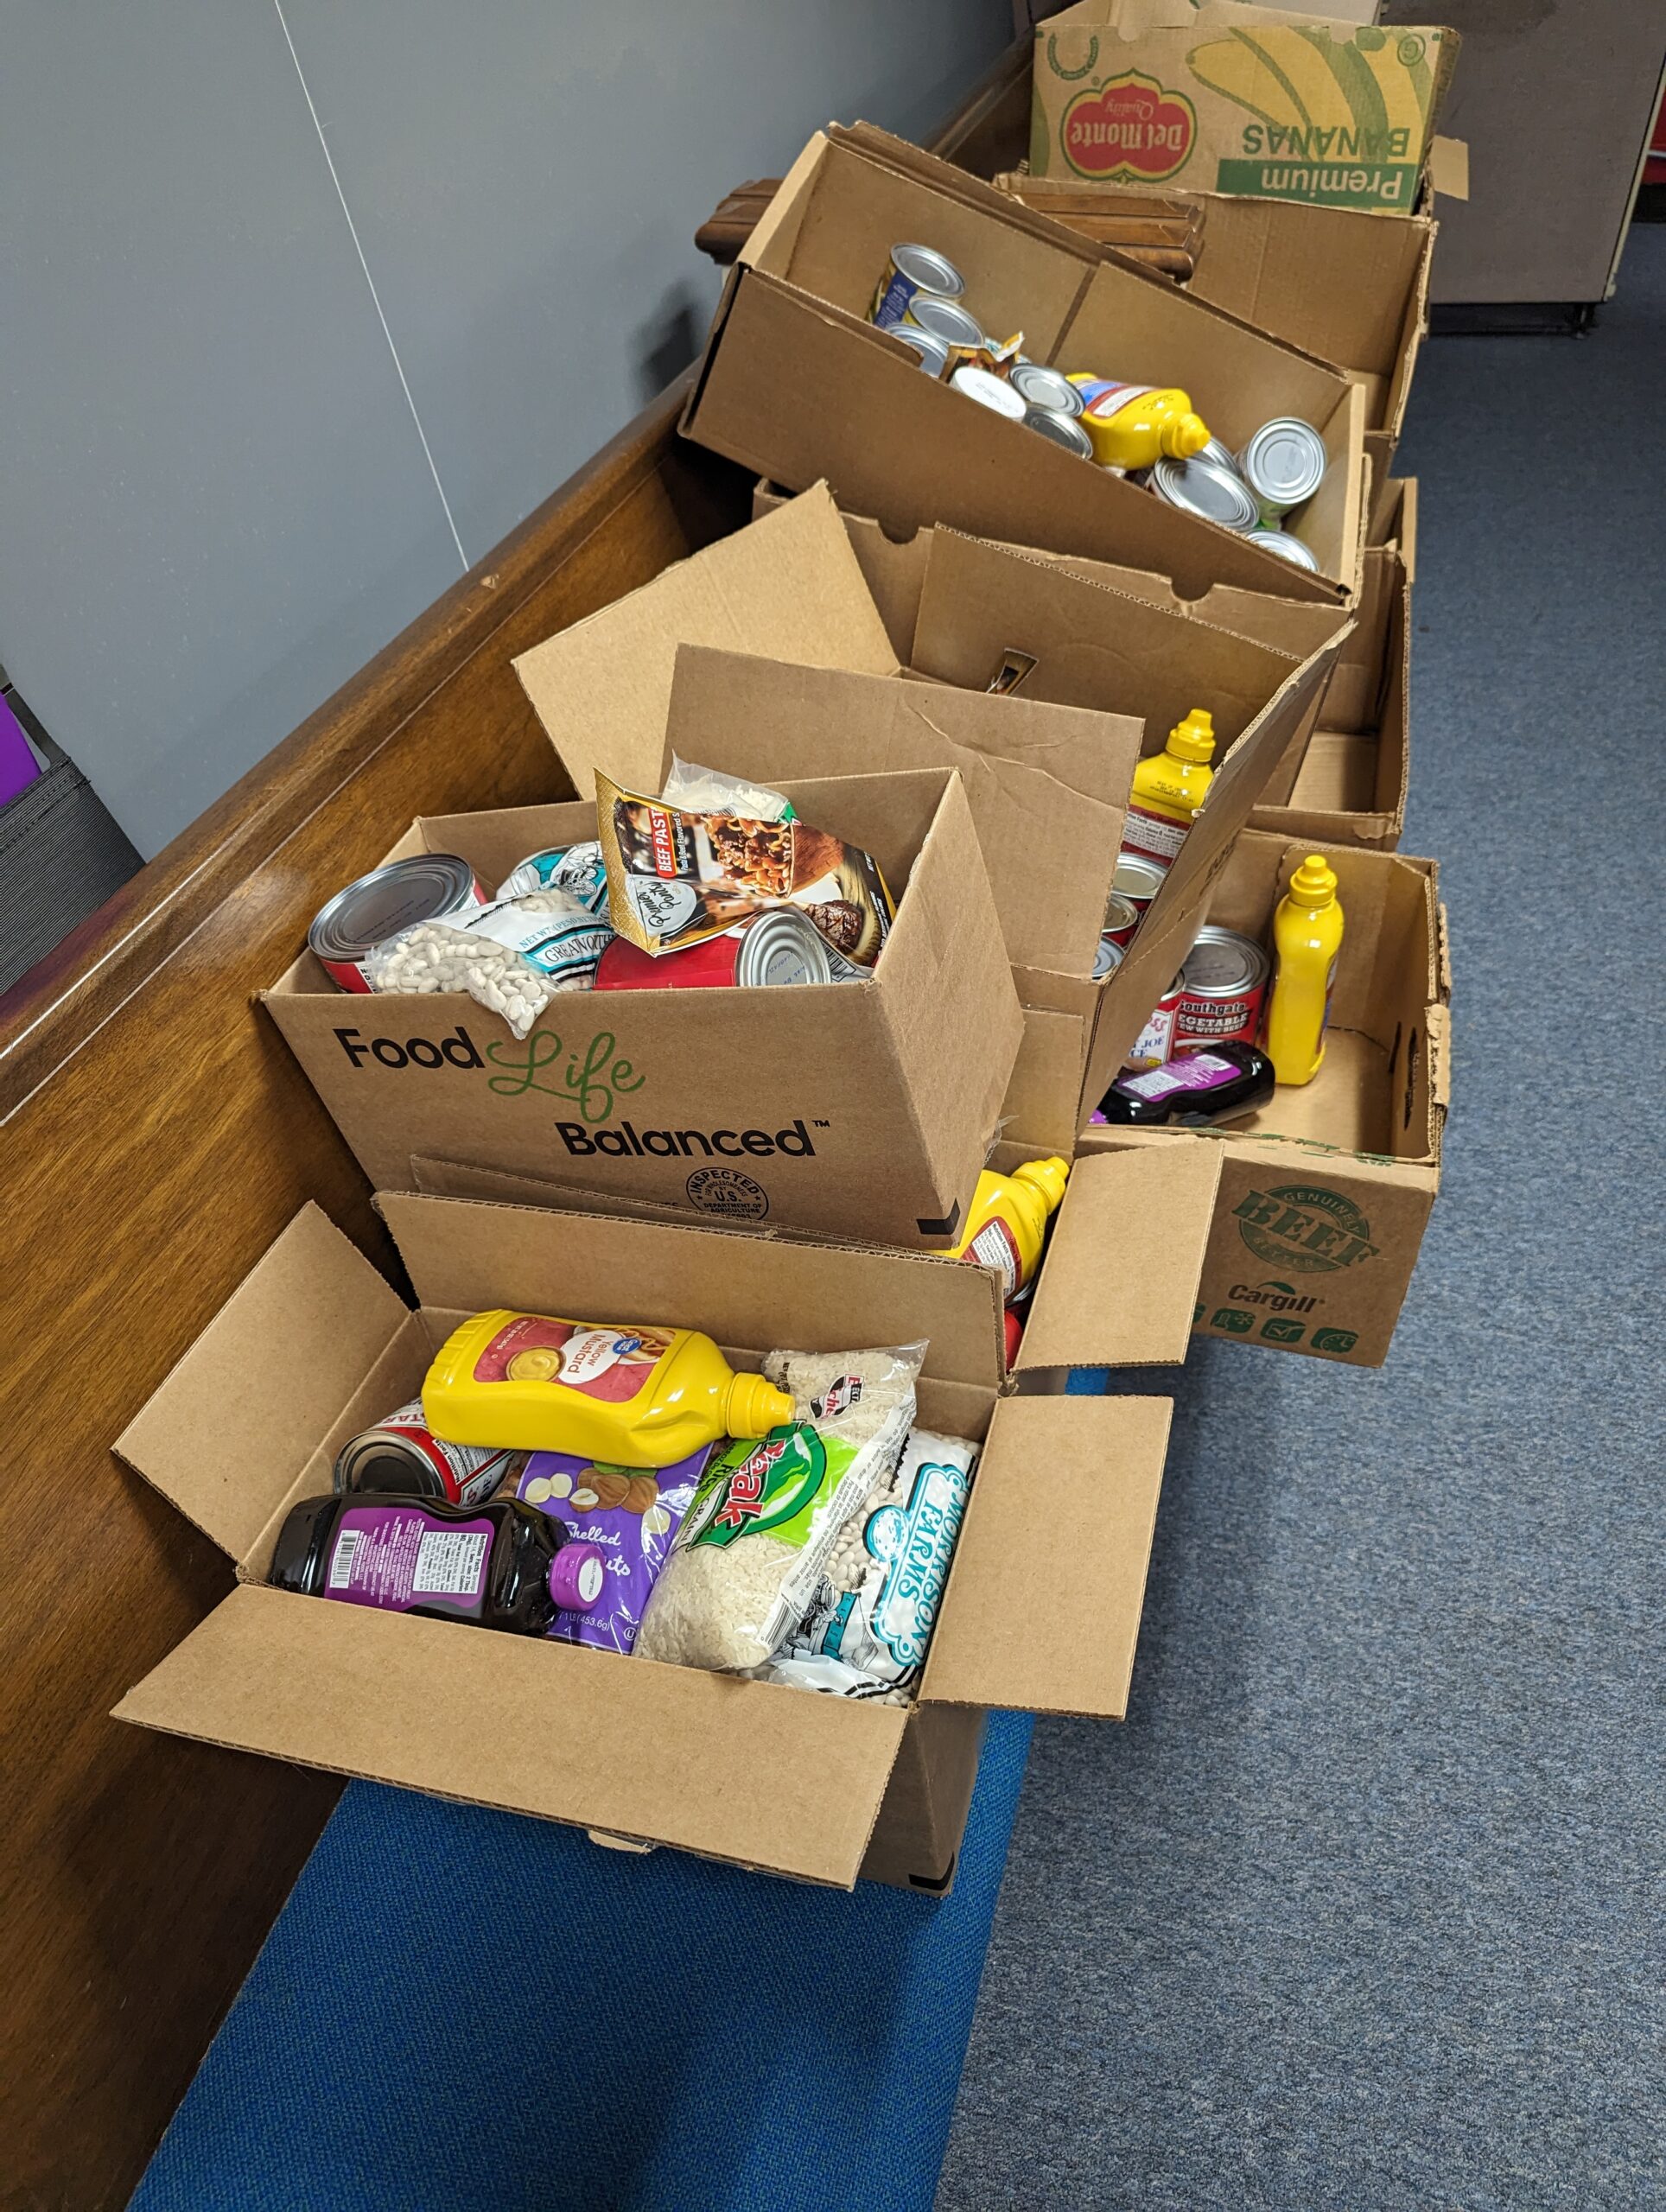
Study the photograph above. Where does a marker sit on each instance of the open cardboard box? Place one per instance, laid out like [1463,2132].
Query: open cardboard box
[1351,787]
[746,1105]
[1043,1603]
[1096,643]
[1325,1194]
[797,384]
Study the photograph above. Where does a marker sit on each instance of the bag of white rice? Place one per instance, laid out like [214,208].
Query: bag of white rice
[694,789]
[766,1516]
[869,1626]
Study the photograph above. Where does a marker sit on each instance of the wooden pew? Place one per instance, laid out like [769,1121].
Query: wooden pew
[158,1136]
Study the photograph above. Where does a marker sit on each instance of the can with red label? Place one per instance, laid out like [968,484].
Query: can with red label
[1122,918]
[1138,879]
[1224,988]
[423,888]
[1155,1042]
[402,1455]
[779,947]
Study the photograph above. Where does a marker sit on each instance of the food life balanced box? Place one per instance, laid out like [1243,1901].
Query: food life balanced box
[1049,831]
[1041,1610]
[1325,1194]
[797,384]
[1233,99]
[1351,787]
[861,1109]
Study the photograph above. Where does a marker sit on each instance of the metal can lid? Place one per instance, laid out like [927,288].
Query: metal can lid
[1284,463]
[1046,387]
[1059,429]
[932,271]
[1137,879]
[1108,958]
[782,947]
[932,350]
[381,1458]
[1221,453]
[1120,912]
[423,888]
[989,390]
[1292,548]
[1223,964]
[944,319]
[1202,487]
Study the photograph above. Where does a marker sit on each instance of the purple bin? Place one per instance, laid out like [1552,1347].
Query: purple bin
[18,765]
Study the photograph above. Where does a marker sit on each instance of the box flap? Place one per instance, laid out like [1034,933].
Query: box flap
[1042,1610]
[224,1436]
[1448,167]
[788,586]
[1119,1286]
[751,1292]
[745,1771]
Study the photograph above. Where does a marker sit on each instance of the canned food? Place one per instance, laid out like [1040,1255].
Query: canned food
[1284,464]
[1155,1042]
[1107,959]
[402,1455]
[578,870]
[424,888]
[1223,985]
[1288,548]
[1138,879]
[1059,429]
[909,271]
[989,390]
[1221,453]
[1122,918]
[778,948]
[1203,487]
[933,352]
[1045,387]
[947,320]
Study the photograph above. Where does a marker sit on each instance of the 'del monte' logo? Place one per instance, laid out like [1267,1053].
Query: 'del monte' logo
[1132,131]
[1304,1228]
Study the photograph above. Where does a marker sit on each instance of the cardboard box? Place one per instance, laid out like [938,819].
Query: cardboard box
[797,384]
[1238,99]
[1094,645]
[314,1345]
[746,1105]
[1352,784]
[1325,1194]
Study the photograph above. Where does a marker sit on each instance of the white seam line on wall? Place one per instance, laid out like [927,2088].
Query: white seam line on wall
[353,232]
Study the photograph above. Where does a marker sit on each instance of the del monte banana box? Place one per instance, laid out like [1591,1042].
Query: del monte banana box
[1232,99]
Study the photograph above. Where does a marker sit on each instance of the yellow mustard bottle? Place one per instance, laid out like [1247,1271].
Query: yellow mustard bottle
[1007,1224]
[1132,425]
[1306,938]
[633,1397]
[1169,788]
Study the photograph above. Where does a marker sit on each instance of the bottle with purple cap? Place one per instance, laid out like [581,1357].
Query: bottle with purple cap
[503,1565]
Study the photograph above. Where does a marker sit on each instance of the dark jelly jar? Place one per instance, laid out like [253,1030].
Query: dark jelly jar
[1221,1083]
[504,1565]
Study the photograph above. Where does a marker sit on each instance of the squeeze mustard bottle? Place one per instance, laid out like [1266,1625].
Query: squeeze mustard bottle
[633,1397]
[1132,425]
[1007,1224]
[1169,788]
[1306,938]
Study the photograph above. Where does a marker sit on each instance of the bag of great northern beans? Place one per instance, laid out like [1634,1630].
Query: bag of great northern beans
[676,877]
[768,1514]
[871,1619]
[631,1514]
[512,956]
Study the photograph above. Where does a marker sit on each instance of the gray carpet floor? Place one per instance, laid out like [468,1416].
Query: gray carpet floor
[1360,1910]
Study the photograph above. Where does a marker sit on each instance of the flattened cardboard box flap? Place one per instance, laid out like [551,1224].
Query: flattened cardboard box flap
[1119,1286]
[788,587]
[670,1754]
[467,1255]
[1042,1610]
[225,1434]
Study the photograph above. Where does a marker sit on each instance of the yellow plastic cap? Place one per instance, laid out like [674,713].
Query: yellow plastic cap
[1194,738]
[1048,1177]
[755,1406]
[1313,883]
[1183,436]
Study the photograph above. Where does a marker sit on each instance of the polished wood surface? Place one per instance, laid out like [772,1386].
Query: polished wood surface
[157,1135]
